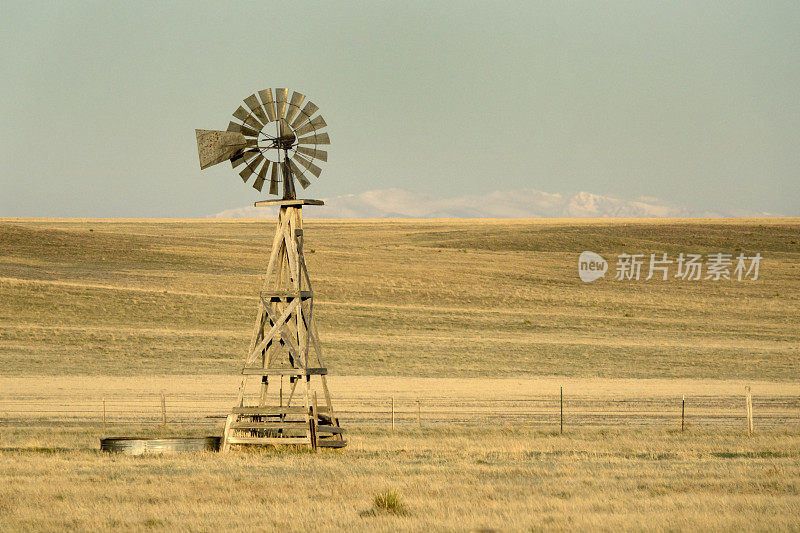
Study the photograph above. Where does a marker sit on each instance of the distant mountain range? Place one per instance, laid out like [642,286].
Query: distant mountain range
[524,203]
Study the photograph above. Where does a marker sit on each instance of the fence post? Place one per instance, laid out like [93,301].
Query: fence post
[419,414]
[392,413]
[562,409]
[683,410]
[749,409]
[104,414]
[163,409]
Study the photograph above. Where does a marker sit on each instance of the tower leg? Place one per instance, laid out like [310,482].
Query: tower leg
[225,446]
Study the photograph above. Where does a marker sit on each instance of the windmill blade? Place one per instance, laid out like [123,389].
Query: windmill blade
[322,155]
[294,105]
[297,173]
[239,128]
[247,118]
[262,174]
[255,106]
[216,146]
[314,169]
[268,102]
[280,102]
[316,123]
[250,167]
[305,129]
[244,156]
[241,114]
[276,177]
[319,138]
[305,114]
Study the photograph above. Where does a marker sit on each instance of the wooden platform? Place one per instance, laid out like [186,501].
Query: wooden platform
[257,371]
[266,426]
[299,201]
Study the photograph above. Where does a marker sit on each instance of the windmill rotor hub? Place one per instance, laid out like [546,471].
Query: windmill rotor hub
[286,141]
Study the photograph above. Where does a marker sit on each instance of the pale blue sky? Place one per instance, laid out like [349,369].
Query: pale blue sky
[696,103]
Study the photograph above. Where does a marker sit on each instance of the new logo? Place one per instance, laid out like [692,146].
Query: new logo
[591,266]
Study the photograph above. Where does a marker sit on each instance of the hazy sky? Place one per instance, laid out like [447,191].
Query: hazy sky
[696,103]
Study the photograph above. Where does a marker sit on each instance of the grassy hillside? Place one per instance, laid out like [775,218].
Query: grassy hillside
[427,298]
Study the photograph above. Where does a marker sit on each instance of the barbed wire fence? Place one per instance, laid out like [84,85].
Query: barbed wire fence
[392,412]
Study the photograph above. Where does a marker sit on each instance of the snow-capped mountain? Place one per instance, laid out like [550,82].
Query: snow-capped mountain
[524,203]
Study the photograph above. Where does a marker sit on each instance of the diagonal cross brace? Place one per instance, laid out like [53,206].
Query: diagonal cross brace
[268,337]
[287,339]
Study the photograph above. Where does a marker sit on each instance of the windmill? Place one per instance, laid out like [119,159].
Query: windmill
[277,139]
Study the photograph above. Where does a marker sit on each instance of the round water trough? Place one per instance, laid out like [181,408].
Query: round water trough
[139,446]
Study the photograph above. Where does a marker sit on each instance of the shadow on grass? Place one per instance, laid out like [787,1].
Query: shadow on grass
[41,450]
[766,454]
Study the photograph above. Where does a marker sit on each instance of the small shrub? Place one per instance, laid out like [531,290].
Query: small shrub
[389,502]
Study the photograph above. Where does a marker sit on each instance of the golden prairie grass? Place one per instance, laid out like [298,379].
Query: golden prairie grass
[448,479]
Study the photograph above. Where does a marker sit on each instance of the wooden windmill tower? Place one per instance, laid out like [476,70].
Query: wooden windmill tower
[283,396]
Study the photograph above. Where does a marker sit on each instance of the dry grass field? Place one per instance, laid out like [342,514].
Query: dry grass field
[460,312]
[486,478]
